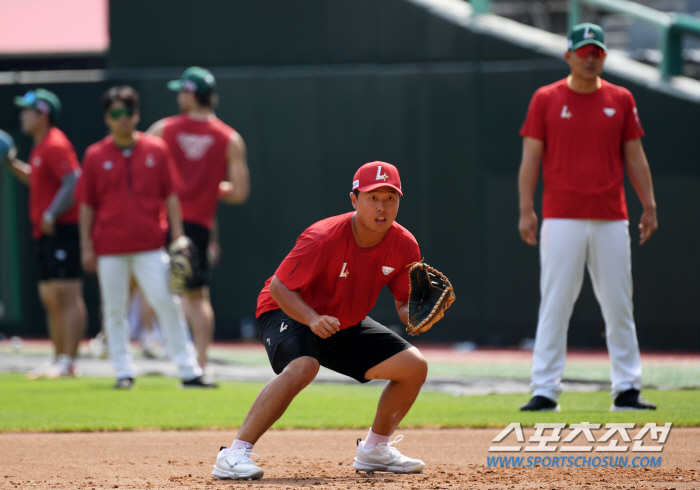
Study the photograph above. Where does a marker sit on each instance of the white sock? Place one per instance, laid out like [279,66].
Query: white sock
[374,439]
[238,444]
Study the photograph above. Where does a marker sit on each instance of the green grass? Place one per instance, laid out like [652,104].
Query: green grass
[90,404]
[671,376]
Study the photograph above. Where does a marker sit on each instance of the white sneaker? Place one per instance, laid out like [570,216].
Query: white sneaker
[46,370]
[235,464]
[385,457]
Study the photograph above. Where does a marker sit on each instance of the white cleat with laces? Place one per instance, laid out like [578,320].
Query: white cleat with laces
[235,464]
[385,457]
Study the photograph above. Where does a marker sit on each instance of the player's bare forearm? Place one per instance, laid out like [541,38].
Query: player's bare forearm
[528,176]
[639,174]
[19,169]
[294,305]
[86,220]
[237,189]
[402,310]
[172,204]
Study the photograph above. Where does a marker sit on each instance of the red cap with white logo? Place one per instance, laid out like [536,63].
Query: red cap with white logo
[373,175]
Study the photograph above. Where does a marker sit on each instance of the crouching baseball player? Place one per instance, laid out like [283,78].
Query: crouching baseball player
[313,312]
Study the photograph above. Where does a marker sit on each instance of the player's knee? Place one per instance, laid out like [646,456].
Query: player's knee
[50,298]
[417,365]
[302,370]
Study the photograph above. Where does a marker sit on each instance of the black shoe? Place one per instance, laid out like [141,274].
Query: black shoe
[540,404]
[198,382]
[124,384]
[631,400]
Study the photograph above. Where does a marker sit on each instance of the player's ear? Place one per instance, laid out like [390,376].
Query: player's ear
[353,198]
[567,54]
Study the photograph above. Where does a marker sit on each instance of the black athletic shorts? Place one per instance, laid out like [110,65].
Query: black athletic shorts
[200,237]
[58,255]
[352,351]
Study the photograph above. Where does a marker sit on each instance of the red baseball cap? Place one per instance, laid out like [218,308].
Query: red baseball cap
[373,175]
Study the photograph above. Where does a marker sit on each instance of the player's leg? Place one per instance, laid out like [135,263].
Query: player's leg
[406,372]
[67,318]
[60,292]
[54,314]
[291,348]
[70,284]
[563,245]
[151,274]
[75,315]
[610,267]
[200,316]
[275,397]
[196,302]
[113,272]
[371,351]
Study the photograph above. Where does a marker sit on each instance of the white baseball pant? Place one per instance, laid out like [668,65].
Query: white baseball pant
[150,269]
[567,246]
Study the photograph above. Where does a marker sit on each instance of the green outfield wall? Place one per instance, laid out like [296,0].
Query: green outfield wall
[318,89]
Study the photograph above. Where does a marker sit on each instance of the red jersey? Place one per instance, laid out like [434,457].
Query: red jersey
[336,277]
[51,159]
[200,151]
[582,160]
[127,190]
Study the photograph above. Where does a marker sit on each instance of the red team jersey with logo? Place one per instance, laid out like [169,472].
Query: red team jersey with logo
[51,159]
[127,192]
[199,148]
[336,277]
[582,159]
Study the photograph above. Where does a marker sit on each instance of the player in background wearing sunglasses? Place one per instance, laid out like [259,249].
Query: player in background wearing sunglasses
[584,133]
[128,186]
[52,172]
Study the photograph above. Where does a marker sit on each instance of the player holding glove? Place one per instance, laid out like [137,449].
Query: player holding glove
[313,312]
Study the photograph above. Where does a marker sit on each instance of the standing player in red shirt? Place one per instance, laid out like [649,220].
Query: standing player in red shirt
[211,157]
[313,312]
[52,173]
[129,181]
[586,133]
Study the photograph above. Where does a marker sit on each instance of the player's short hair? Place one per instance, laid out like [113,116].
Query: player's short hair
[204,100]
[121,93]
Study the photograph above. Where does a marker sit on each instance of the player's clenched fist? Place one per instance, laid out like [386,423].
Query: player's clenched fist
[324,326]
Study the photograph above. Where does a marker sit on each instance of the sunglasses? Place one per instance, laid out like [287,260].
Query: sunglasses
[117,113]
[590,49]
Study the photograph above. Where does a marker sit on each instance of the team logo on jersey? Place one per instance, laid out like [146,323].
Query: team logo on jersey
[387,270]
[343,272]
[565,113]
[379,174]
[610,112]
[108,165]
[150,161]
[194,146]
[36,162]
[283,327]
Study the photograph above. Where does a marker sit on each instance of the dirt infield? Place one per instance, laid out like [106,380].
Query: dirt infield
[292,459]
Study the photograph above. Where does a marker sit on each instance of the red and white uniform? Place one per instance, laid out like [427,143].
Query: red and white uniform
[51,159]
[200,151]
[337,277]
[127,190]
[585,225]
